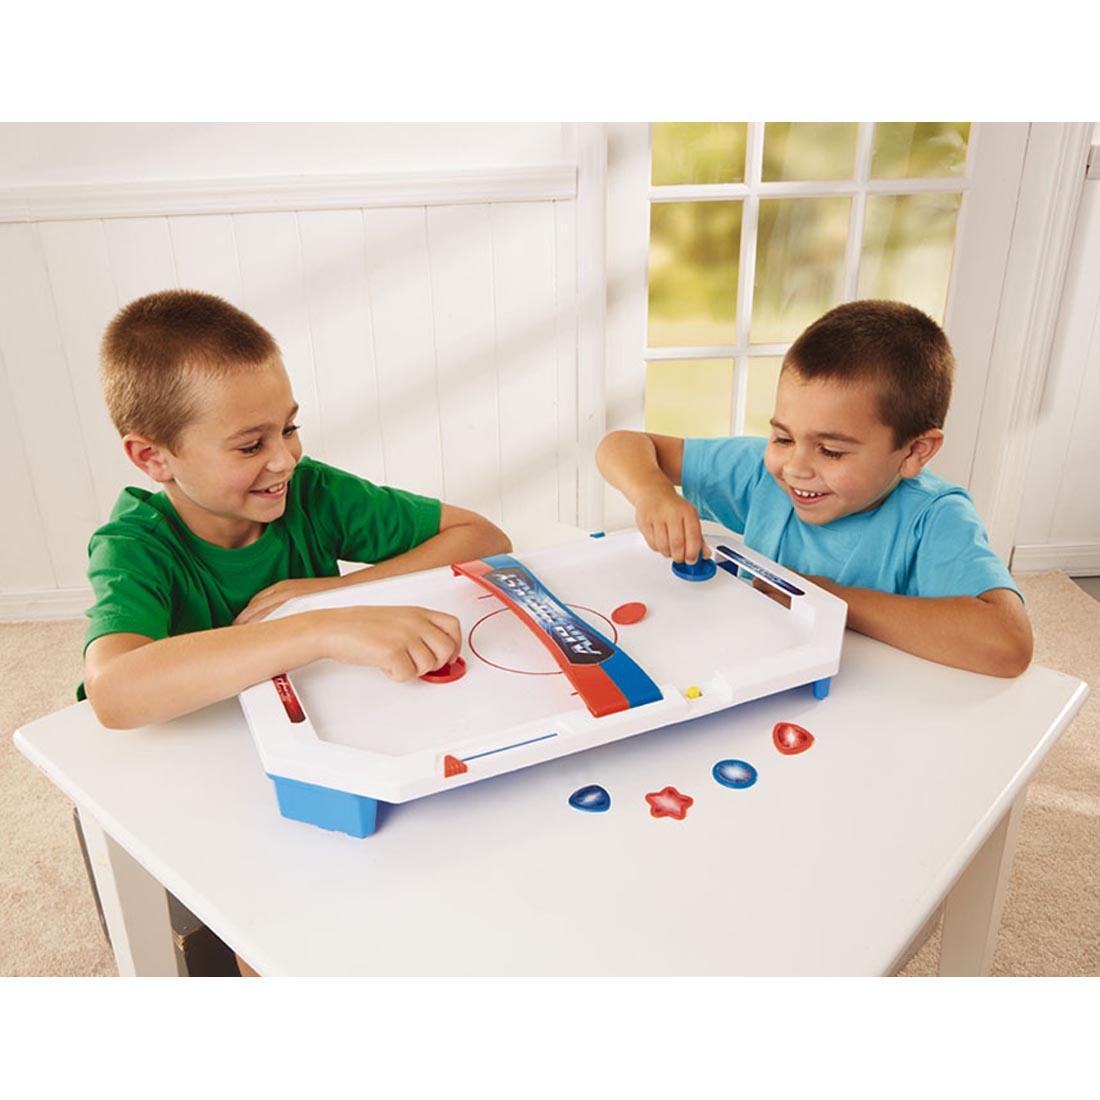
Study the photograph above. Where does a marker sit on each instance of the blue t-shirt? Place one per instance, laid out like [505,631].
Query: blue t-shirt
[924,539]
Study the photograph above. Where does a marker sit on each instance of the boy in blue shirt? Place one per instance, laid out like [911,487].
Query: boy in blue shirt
[839,491]
[185,578]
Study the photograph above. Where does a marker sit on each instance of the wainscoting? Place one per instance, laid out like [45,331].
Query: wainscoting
[428,321]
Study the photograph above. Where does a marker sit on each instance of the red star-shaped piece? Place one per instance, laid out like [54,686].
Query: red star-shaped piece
[669,802]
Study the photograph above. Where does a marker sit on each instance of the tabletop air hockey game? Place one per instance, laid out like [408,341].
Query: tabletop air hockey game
[564,649]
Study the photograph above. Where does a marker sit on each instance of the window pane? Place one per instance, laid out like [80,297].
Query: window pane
[698,152]
[693,260]
[809,151]
[760,395]
[800,256]
[689,397]
[911,150]
[908,246]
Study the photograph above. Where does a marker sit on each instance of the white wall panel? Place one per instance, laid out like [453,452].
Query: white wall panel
[461,249]
[83,288]
[25,563]
[337,296]
[524,288]
[141,256]
[45,407]
[565,275]
[1077,517]
[404,346]
[204,251]
[273,292]
[1061,505]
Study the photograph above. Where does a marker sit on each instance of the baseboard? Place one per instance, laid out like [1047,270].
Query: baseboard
[56,603]
[1078,559]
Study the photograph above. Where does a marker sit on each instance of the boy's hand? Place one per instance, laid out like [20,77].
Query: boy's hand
[402,642]
[670,525]
[267,599]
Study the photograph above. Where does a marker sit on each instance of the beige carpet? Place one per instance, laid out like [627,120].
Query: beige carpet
[1051,920]
[1051,923]
[48,919]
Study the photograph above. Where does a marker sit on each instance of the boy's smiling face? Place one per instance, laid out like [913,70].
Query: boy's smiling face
[228,476]
[830,452]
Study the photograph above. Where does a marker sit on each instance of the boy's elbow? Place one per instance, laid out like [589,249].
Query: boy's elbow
[492,539]
[107,715]
[1002,642]
[1019,659]
[1015,655]
[110,712]
[609,442]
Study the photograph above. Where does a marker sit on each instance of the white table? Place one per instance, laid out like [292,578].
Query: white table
[829,865]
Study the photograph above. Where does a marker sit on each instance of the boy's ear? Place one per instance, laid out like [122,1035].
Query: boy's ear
[921,451]
[148,457]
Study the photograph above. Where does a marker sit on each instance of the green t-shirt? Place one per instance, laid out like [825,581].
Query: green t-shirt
[151,575]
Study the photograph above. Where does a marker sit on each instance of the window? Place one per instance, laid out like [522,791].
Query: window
[756,229]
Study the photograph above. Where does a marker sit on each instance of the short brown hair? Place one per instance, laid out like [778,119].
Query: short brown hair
[897,346]
[154,348]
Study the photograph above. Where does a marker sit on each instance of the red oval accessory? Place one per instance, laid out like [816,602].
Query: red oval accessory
[628,613]
[447,674]
[791,739]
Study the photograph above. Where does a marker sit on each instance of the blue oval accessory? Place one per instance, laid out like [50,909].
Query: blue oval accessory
[734,773]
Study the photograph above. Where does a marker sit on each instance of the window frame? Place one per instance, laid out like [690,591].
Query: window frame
[750,193]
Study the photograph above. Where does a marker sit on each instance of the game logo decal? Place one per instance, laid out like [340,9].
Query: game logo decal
[578,642]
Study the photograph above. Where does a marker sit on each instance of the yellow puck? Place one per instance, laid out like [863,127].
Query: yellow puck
[693,693]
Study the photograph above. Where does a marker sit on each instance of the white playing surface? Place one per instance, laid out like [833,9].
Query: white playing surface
[513,691]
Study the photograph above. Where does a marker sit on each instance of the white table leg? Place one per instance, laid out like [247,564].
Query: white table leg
[135,907]
[972,913]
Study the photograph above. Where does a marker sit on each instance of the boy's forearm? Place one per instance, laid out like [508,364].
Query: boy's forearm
[174,676]
[628,461]
[463,542]
[960,631]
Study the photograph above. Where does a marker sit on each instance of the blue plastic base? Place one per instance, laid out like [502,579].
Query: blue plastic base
[821,687]
[341,811]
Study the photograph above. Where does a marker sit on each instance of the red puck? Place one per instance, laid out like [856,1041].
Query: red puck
[628,613]
[447,673]
[791,739]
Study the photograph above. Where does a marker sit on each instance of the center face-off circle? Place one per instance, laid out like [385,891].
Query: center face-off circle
[501,641]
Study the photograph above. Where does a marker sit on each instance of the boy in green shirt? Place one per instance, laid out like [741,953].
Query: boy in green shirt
[184,578]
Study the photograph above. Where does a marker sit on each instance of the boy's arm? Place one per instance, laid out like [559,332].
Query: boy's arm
[989,633]
[131,680]
[462,536]
[636,461]
[646,468]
